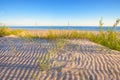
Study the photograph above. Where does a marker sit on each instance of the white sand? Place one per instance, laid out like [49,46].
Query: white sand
[80,60]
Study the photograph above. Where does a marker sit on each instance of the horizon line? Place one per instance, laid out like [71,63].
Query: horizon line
[59,25]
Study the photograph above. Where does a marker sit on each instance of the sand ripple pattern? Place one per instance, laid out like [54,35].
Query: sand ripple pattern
[78,60]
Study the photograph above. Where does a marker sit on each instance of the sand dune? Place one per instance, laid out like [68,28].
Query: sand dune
[78,60]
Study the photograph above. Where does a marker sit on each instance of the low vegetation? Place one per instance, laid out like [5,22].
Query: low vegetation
[5,31]
[109,38]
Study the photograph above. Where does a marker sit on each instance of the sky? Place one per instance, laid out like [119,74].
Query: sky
[58,12]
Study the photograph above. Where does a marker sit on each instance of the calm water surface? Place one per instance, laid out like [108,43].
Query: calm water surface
[90,28]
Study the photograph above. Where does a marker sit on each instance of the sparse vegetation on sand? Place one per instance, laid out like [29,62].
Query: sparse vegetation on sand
[109,38]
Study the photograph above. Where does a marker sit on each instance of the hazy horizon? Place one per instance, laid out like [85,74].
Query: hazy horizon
[58,12]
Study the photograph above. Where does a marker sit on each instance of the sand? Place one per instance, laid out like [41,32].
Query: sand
[78,60]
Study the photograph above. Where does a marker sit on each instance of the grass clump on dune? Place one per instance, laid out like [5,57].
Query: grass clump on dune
[5,31]
[110,37]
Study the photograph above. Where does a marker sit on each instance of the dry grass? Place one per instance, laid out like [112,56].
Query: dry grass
[107,38]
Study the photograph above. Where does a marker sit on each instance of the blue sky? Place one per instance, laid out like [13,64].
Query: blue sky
[58,12]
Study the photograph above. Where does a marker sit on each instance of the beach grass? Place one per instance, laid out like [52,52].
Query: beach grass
[109,38]
[5,31]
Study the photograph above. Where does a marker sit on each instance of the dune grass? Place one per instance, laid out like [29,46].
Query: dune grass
[109,38]
[5,31]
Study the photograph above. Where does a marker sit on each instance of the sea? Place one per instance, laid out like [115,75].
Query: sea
[86,28]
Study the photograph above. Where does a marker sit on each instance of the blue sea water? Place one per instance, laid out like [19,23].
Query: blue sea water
[89,28]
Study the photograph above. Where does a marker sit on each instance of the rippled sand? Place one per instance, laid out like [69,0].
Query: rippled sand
[78,60]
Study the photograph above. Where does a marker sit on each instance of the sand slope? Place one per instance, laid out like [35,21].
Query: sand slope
[78,60]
